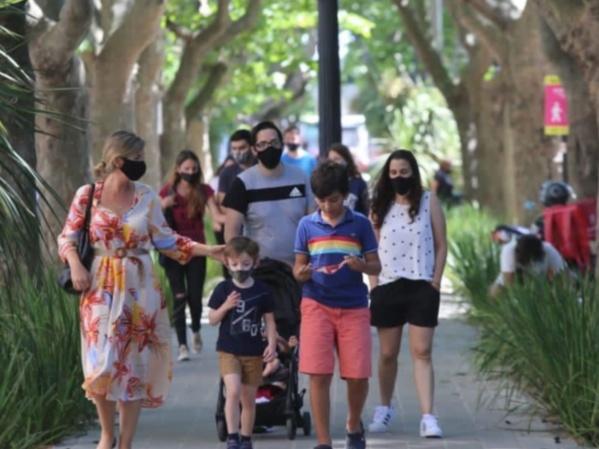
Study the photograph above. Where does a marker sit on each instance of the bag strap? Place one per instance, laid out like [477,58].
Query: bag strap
[88,208]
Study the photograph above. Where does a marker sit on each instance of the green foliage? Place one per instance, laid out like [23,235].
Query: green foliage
[40,387]
[541,339]
[20,184]
[473,258]
[259,61]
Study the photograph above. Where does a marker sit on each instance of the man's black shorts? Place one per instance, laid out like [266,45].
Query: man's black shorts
[405,301]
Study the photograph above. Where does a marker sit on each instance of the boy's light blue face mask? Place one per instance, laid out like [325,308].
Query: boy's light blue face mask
[241,275]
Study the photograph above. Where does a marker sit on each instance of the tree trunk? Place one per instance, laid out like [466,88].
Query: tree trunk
[197,138]
[20,130]
[530,161]
[172,139]
[147,102]
[487,98]
[62,137]
[583,147]
[576,28]
[114,75]
[527,153]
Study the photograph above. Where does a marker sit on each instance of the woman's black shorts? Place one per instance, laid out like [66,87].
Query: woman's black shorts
[405,301]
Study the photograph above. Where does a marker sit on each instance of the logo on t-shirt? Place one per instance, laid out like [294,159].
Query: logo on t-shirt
[246,319]
[295,193]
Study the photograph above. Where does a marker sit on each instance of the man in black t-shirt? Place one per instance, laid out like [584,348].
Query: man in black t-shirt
[239,147]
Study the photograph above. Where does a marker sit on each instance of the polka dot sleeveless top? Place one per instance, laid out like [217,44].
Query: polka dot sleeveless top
[406,249]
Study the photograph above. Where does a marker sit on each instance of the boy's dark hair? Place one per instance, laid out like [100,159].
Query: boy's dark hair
[529,249]
[328,178]
[241,244]
[261,127]
[241,134]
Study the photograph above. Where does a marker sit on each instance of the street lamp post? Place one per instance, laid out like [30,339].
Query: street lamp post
[329,77]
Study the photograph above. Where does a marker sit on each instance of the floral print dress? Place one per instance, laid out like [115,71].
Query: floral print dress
[125,330]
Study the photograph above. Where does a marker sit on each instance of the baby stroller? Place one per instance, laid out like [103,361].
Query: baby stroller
[284,406]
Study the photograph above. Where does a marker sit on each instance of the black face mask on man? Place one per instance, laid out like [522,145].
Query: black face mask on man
[270,157]
[133,170]
[191,178]
[292,146]
[402,185]
[246,158]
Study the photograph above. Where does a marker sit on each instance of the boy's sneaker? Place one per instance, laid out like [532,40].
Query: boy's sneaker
[245,445]
[382,417]
[196,342]
[355,440]
[233,444]
[429,427]
[183,354]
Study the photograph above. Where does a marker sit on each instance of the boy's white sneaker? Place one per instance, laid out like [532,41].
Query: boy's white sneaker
[382,417]
[429,427]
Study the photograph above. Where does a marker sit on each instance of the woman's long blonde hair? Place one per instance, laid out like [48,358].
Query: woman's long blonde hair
[118,144]
[196,201]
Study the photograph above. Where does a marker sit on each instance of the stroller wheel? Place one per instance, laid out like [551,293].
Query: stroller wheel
[306,423]
[221,429]
[291,428]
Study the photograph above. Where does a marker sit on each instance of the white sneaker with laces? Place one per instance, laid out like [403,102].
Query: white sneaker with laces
[429,427]
[382,417]
[196,342]
[183,354]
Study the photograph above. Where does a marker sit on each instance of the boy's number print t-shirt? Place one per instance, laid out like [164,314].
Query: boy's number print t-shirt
[240,330]
[333,283]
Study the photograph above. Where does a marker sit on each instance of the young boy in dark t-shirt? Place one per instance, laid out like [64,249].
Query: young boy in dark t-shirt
[239,304]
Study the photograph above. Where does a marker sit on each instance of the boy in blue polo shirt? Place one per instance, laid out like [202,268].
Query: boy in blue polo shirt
[334,247]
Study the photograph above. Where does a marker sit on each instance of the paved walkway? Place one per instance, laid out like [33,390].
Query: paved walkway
[186,421]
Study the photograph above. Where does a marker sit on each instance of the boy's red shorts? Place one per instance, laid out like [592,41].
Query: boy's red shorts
[325,330]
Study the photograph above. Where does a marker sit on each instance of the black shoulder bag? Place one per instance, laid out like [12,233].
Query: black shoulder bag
[84,249]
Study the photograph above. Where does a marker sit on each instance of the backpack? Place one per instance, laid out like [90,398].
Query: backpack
[570,229]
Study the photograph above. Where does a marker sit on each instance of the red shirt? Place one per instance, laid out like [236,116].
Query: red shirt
[185,226]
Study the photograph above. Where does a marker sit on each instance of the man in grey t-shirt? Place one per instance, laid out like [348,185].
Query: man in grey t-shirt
[269,199]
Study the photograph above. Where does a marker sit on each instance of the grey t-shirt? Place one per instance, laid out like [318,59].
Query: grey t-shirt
[273,207]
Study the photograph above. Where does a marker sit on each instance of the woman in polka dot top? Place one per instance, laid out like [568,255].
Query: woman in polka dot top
[410,226]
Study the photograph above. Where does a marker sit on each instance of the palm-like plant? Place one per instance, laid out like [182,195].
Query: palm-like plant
[21,187]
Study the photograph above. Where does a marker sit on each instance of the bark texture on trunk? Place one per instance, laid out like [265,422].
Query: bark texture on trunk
[62,138]
[114,67]
[147,103]
[576,28]
[583,145]
[527,154]
[197,45]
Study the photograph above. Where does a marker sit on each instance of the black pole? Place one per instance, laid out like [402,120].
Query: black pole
[329,77]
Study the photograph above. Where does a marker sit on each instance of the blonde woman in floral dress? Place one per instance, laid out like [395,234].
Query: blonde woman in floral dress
[125,330]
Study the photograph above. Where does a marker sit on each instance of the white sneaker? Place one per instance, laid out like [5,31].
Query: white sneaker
[429,427]
[382,417]
[183,354]
[196,342]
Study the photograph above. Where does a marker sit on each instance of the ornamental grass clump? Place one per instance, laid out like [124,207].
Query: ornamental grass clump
[40,387]
[473,259]
[540,339]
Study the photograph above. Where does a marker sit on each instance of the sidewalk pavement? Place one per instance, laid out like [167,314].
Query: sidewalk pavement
[468,416]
